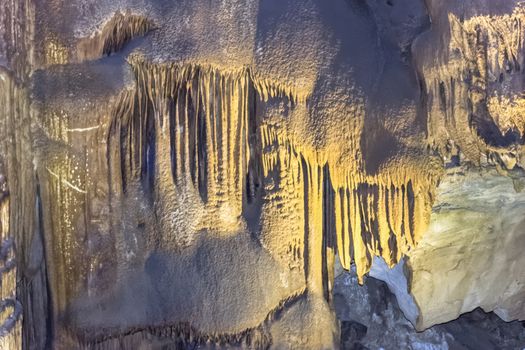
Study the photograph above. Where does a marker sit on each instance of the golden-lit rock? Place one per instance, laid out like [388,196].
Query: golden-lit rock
[188,172]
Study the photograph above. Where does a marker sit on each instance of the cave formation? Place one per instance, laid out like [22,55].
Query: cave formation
[262,174]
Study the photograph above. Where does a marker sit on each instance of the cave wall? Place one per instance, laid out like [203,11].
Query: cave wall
[193,171]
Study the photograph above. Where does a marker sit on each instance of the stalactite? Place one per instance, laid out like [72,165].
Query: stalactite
[195,119]
[267,89]
[314,212]
[475,97]
[383,215]
[283,230]
[380,219]
[115,34]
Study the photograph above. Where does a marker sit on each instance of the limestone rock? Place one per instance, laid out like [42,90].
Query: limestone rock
[471,255]
[192,171]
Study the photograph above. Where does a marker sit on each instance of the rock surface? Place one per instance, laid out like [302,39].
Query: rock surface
[371,319]
[190,171]
[472,254]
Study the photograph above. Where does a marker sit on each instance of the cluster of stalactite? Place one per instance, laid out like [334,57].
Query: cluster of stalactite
[114,35]
[474,91]
[284,204]
[186,129]
[369,216]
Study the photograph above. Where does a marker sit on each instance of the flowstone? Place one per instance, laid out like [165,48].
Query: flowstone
[190,173]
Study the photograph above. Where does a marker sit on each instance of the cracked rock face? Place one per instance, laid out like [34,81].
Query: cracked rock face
[190,173]
[372,319]
[471,254]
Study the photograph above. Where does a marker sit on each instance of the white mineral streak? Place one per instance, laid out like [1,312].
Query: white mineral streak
[89,128]
[66,182]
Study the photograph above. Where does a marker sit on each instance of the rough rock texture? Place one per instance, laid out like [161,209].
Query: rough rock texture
[471,63]
[10,308]
[471,255]
[371,319]
[190,171]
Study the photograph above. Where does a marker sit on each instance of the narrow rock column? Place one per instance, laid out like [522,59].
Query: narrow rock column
[314,210]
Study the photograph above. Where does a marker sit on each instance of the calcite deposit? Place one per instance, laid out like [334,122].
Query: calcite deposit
[193,173]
